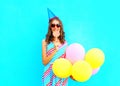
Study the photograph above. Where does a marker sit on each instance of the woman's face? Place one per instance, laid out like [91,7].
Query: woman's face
[55,27]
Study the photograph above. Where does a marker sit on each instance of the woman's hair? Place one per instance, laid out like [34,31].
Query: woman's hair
[49,35]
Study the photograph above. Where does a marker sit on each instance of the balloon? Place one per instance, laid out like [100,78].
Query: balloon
[95,57]
[75,52]
[81,71]
[94,71]
[62,68]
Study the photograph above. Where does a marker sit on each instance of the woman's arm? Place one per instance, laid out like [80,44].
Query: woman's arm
[46,59]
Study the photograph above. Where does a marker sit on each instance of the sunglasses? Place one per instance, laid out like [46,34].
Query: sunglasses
[57,25]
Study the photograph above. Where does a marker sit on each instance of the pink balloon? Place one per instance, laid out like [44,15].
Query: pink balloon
[75,52]
[95,71]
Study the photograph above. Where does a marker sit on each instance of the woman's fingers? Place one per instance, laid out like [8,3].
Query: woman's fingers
[56,33]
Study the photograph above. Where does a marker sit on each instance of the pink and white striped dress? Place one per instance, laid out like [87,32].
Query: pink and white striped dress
[48,78]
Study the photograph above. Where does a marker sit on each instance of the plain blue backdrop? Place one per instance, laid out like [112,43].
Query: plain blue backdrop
[24,23]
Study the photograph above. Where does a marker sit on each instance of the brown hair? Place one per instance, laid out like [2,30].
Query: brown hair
[50,37]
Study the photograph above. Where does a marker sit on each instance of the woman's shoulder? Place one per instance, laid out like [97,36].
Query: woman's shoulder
[44,42]
[65,42]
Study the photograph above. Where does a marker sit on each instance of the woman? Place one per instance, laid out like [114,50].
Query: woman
[53,47]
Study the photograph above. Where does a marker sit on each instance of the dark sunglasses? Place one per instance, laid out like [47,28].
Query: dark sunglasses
[57,25]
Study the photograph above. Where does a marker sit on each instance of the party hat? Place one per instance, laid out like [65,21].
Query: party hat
[50,14]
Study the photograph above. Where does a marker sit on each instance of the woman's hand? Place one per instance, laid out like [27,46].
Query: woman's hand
[56,34]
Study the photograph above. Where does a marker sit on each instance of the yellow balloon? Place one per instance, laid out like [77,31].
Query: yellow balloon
[95,57]
[81,71]
[62,68]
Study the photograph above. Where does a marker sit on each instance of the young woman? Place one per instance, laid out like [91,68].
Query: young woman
[53,47]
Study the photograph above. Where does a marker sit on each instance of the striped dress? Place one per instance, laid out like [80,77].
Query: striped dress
[49,79]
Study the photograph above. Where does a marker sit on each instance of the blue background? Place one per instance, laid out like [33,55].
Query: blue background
[24,23]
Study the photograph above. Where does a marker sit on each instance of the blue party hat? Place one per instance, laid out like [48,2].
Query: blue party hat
[51,15]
